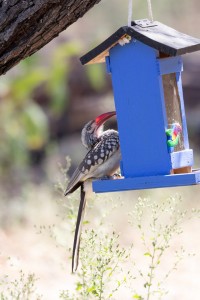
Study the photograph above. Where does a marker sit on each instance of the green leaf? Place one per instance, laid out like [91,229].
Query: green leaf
[86,222]
[147,254]
[92,290]
[79,286]
[136,296]
[110,296]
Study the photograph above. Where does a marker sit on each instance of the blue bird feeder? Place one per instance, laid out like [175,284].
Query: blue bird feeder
[145,64]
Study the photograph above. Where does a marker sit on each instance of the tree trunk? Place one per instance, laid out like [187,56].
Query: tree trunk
[27,26]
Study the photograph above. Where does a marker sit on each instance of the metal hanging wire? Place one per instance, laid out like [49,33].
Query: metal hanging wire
[150,11]
[130,11]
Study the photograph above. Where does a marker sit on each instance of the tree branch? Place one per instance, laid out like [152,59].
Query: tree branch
[27,26]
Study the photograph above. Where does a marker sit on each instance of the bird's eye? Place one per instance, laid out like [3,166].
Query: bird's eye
[89,127]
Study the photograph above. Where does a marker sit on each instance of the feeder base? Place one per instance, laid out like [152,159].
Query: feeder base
[148,182]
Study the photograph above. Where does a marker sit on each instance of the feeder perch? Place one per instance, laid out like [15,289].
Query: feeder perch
[145,64]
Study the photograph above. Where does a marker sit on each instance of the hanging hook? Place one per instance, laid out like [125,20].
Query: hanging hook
[130,11]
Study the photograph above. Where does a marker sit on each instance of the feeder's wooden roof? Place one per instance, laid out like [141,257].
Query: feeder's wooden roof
[154,34]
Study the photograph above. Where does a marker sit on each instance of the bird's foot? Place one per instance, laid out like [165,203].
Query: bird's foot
[114,176]
[117,176]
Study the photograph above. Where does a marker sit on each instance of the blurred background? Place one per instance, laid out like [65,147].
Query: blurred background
[44,103]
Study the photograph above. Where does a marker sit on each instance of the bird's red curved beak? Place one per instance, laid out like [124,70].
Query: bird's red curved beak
[102,118]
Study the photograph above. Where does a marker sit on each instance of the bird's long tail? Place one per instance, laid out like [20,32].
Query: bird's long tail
[77,235]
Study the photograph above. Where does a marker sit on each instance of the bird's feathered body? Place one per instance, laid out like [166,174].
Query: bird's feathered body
[102,160]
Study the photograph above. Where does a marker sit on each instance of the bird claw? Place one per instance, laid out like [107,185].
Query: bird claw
[114,176]
[117,176]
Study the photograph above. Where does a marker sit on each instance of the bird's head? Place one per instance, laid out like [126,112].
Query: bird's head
[94,128]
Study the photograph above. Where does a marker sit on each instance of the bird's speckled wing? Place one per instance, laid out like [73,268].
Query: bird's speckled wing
[103,150]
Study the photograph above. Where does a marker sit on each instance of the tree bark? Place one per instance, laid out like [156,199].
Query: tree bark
[27,26]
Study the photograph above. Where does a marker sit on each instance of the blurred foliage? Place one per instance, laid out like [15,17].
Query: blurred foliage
[24,124]
[21,288]
[96,76]
[35,125]
[56,84]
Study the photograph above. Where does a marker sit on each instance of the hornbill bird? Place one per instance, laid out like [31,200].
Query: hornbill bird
[101,161]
